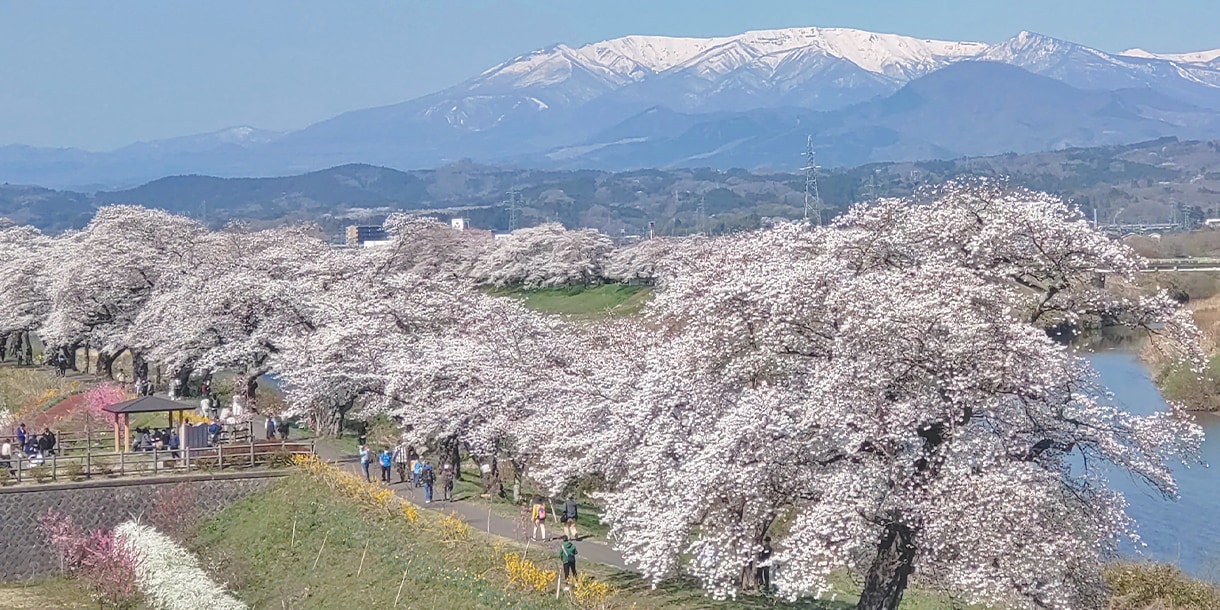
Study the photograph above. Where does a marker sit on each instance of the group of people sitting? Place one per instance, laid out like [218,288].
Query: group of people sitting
[160,439]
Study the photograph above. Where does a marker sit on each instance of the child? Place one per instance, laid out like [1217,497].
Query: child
[417,470]
[384,459]
[567,556]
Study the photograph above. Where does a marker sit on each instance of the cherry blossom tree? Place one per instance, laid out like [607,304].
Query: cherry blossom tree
[247,295]
[430,248]
[104,275]
[887,388]
[25,254]
[646,260]
[544,256]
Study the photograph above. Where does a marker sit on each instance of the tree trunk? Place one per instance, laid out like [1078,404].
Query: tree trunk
[105,363]
[3,347]
[29,348]
[183,376]
[328,419]
[887,576]
[449,454]
[70,355]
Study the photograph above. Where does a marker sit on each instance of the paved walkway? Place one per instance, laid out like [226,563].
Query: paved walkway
[474,514]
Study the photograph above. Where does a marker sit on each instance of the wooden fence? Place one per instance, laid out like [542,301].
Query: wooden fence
[90,464]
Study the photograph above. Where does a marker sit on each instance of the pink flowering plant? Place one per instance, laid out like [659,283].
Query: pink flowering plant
[105,564]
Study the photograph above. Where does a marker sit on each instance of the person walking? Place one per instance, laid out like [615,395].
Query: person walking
[447,482]
[417,471]
[270,428]
[567,556]
[282,426]
[428,478]
[568,518]
[763,571]
[538,518]
[385,460]
[401,460]
[21,435]
[365,459]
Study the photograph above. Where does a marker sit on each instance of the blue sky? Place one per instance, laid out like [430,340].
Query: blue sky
[99,75]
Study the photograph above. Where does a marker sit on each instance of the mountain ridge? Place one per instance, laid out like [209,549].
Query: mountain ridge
[560,98]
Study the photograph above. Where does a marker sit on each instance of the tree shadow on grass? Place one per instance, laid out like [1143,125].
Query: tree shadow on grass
[686,593]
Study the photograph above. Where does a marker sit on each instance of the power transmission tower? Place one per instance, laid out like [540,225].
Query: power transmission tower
[702,200]
[813,201]
[512,210]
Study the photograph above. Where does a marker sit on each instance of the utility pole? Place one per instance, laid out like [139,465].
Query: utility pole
[813,201]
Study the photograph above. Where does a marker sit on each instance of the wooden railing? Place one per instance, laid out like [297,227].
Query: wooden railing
[91,464]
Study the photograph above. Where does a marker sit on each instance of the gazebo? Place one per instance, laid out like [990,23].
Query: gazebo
[143,404]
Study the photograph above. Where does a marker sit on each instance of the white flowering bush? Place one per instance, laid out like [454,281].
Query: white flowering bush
[169,575]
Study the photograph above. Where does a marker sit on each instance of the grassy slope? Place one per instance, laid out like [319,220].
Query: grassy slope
[248,546]
[584,302]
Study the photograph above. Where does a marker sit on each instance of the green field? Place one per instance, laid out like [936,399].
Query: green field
[581,301]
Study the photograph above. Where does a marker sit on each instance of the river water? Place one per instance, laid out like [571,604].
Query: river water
[1185,532]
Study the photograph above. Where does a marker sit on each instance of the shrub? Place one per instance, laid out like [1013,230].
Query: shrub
[1135,586]
[526,573]
[107,566]
[169,574]
[452,529]
[175,510]
[41,473]
[279,459]
[102,466]
[75,471]
[589,593]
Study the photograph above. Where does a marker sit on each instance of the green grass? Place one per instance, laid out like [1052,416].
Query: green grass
[250,547]
[581,301]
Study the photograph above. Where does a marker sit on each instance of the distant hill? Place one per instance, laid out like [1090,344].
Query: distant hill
[1155,181]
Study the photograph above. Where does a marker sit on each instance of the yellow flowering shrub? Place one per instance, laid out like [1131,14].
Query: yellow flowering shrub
[371,496]
[589,593]
[526,573]
[452,529]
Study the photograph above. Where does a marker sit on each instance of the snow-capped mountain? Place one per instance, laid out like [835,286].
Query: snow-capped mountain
[815,68]
[1198,57]
[562,100]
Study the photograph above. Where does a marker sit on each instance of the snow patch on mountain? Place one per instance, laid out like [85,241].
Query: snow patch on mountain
[1198,57]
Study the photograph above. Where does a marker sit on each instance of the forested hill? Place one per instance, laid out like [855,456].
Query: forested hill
[1153,181]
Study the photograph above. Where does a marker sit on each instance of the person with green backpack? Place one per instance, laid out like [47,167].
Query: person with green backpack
[567,556]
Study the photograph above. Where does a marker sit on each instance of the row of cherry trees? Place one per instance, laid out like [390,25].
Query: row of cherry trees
[879,396]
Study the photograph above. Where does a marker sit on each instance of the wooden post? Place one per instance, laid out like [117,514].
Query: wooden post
[155,460]
[89,461]
[54,464]
[122,460]
[252,452]
[116,433]
[187,453]
[126,430]
[220,455]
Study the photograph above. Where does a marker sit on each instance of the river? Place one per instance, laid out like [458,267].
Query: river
[1185,532]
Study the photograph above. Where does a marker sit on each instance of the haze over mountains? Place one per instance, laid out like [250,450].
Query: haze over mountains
[741,101]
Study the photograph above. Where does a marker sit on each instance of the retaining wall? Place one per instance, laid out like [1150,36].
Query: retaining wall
[24,552]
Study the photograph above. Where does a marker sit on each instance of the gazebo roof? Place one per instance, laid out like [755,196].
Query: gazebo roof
[148,404]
